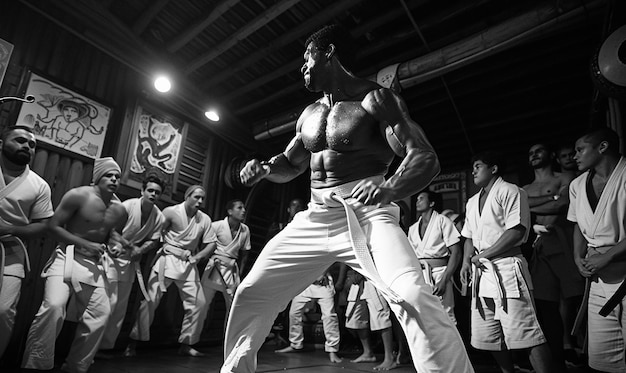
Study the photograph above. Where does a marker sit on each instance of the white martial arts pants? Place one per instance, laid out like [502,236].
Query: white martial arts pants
[607,335]
[209,294]
[329,320]
[301,252]
[9,297]
[93,308]
[193,305]
[119,294]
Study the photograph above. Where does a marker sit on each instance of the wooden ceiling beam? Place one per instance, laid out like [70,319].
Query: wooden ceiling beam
[263,51]
[148,15]
[260,21]
[195,29]
[510,33]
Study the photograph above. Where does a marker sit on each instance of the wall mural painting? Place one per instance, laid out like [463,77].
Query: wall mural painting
[64,118]
[6,49]
[156,145]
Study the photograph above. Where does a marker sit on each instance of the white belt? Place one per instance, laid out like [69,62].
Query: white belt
[3,239]
[362,253]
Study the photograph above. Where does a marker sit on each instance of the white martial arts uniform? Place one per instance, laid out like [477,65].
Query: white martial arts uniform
[121,271]
[324,296]
[69,273]
[25,199]
[171,268]
[503,316]
[603,229]
[221,272]
[440,234]
[310,243]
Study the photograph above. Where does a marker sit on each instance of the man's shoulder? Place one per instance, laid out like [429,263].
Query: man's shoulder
[579,181]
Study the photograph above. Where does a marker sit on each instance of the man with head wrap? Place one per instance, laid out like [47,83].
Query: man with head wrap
[87,222]
[188,237]
[24,207]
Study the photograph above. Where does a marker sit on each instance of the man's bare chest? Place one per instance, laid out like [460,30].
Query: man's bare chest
[344,126]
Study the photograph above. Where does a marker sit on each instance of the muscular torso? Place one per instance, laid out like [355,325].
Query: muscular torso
[345,141]
[547,187]
[95,219]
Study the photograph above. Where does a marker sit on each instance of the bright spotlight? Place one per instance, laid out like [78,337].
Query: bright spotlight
[162,84]
[212,115]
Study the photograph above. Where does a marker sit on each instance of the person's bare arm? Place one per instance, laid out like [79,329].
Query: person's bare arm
[207,250]
[36,228]
[466,263]
[408,140]
[69,205]
[580,251]
[283,167]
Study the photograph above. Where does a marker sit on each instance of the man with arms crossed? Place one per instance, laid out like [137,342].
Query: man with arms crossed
[87,222]
[496,224]
[436,243]
[222,272]
[185,229]
[141,234]
[598,209]
[347,138]
[552,264]
[24,208]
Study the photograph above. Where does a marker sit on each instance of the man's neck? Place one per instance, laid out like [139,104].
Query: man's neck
[606,166]
[11,169]
[146,206]
[104,194]
[543,173]
[426,215]
[233,223]
[190,211]
[489,185]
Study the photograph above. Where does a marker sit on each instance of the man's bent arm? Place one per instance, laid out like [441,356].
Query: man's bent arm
[407,139]
[206,251]
[504,243]
[580,251]
[36,228]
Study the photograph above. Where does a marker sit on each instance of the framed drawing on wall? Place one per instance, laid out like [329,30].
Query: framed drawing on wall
[155,145]
[64,118]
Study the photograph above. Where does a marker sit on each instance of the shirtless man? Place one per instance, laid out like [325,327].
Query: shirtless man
[222,272]
[86,220]
[552,264]
[598,209]
[141,233]
[187,238]
[25,207]
[348,139]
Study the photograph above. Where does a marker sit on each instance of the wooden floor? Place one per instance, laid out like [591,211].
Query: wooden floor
[166,360]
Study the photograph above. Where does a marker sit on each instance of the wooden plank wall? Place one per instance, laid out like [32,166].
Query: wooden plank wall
[60,55]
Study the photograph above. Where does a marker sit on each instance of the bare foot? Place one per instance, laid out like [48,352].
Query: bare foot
[403,359]
[364,359]
[334,358]
[187,350]
[387,364]
[288,349]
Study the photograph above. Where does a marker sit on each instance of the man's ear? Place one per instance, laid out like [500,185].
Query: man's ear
[494,170]
[603,146]
[330,51]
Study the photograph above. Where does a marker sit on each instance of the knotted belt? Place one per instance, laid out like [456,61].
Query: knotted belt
[5,239]
[171,250]
[140,280]
[427,266]
[361,250]
[500,301]
[68,267]
[224,260]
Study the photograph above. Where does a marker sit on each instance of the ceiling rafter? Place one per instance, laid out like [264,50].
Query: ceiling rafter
[260,21]
[195,29]
[147,16]
[283,40]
